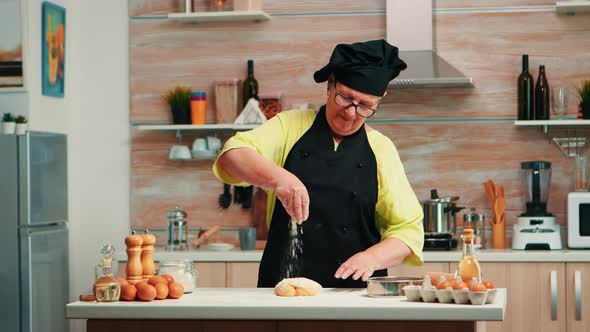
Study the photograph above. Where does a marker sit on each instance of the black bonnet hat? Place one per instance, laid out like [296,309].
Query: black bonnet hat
[365,66]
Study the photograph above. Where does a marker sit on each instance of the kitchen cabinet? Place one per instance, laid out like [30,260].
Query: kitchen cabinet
[498,274]
[242,274]
[211,274]
[536,297]
[578,295]
[532,289]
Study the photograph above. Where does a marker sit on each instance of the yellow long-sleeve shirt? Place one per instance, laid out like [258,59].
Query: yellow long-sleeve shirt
[398,211]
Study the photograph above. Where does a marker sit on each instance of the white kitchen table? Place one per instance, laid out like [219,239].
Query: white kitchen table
[258,309]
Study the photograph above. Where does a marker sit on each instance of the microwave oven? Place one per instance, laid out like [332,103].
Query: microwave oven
[578,220]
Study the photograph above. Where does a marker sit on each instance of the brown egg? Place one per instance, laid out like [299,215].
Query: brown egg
[161,291]
[459,285]
[445,284]
[122,281]
[434,282]
[176,290]
[168,277]
[157,280]
[128,292]
[146,293]
[477,287]
[489,284]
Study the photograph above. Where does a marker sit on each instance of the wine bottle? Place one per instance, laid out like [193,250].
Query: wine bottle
[542,96]
[250,85]
[525,92]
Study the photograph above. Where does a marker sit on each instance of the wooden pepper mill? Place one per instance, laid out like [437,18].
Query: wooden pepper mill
[134,268]
[147,255]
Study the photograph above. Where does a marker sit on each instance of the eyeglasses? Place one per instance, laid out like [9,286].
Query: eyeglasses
[360,109]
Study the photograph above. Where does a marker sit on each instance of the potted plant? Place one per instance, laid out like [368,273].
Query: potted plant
[21,125]
[179,100]
[584,92]
[8,123]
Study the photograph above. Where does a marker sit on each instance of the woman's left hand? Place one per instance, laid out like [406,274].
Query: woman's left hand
[360,265]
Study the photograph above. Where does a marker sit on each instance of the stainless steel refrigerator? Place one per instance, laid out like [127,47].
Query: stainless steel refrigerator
[33,232]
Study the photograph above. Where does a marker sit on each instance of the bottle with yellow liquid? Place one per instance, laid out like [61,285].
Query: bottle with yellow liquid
[468,267]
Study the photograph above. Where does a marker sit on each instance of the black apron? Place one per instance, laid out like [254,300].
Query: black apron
[343,188]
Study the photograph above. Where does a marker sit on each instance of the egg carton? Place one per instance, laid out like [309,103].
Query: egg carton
[416,293]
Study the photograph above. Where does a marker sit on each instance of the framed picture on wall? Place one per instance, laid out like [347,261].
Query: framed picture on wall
[53,40]
[11,58]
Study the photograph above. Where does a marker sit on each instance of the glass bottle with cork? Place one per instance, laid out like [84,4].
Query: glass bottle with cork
[250,85]
[468,267]
[542,96]
[106,287]
[525,92]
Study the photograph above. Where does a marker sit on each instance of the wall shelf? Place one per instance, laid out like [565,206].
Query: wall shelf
[572,7]
[221,16]
[552,123]
[215,126]
[571,145]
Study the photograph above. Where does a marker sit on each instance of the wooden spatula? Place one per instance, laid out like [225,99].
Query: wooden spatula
[500,206]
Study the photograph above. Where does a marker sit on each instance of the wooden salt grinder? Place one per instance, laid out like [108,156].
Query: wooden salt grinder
[133,269]
[147,256]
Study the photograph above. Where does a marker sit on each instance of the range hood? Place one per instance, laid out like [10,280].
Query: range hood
[409,27]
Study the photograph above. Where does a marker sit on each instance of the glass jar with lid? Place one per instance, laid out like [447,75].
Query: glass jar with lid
[475,221]
[182,272]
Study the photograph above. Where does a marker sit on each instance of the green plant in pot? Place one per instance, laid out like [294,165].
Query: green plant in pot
[21,125]
[584,92]
[8,123]
[179,100]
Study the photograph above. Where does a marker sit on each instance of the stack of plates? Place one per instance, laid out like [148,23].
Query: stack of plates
[220,246]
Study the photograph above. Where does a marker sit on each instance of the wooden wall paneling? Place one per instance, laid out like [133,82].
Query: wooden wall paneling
[155,7]
[491,55]
[456,158]
[286,52]
[473,4]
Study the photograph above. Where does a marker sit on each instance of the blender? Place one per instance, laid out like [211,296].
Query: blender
[536,228]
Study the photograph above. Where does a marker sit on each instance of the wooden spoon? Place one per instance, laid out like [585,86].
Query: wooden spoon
[500,206]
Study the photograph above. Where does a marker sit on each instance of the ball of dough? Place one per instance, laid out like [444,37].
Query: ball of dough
[297,287]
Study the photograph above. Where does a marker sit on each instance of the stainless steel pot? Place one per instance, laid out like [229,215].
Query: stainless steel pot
[390,286]
[440,214]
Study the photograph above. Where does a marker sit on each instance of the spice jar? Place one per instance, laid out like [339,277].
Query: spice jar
[182,272]
[475,221]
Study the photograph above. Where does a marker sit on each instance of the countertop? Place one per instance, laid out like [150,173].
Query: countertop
[261,303]
[486,255]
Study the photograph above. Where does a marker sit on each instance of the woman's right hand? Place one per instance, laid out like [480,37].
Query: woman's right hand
[293,195]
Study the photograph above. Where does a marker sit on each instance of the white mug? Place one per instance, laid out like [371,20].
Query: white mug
[213,143]
[179,152]
[200,144]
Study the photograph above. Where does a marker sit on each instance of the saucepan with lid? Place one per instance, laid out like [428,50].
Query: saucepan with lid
[440,214]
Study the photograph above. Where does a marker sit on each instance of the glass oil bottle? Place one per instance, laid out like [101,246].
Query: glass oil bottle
[106,287]
[468,267]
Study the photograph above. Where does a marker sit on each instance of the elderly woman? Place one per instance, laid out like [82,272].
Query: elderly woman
[340,179]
